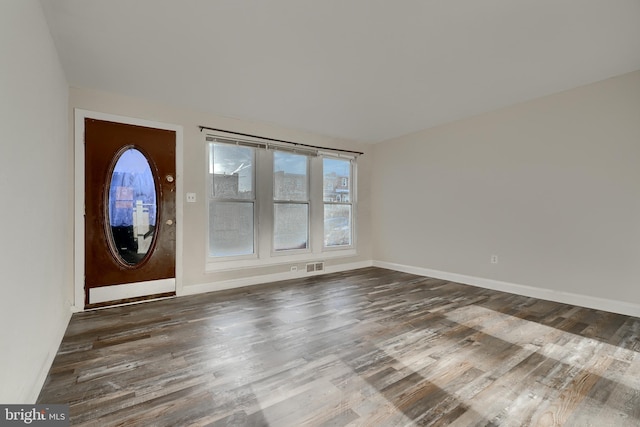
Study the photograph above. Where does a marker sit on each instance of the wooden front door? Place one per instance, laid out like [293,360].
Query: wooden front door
[130,212]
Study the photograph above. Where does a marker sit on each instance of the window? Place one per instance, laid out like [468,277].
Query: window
[337,197]
[132,207]
[272,205]
[290,201]
[232,202]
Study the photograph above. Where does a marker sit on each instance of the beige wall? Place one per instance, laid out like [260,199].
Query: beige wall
[35,177]
[551,186]
[195,220]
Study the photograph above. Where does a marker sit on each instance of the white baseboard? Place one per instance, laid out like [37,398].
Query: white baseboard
[267,278]
[614,306]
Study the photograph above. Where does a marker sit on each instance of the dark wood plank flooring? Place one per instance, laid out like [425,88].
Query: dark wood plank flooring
[370,347]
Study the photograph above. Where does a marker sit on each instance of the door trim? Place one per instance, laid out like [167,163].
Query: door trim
[78,269]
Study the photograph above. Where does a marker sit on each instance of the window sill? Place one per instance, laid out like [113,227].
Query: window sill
[213,266]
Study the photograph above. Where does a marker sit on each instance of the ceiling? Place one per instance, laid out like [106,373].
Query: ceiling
[366,70]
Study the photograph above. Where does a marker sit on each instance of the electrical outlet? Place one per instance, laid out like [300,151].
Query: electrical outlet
[191,197]
[294,268]
[494,259]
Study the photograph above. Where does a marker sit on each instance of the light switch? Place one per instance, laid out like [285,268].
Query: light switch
[191,197]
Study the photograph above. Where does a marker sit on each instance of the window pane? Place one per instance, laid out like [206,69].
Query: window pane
[290,176]
[337,225]
[232,169]
[291,230]
[230,228]
[337,180]
[132,207]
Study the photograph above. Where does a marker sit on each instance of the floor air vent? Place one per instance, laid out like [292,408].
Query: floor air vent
[315,266]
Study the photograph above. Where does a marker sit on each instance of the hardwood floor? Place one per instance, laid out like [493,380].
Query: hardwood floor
[371,347]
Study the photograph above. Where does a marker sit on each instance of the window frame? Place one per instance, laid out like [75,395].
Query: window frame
[264,254]
[352,203]
[212,199]
[307,202]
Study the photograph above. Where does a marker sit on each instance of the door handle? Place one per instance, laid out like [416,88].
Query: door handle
[169,222]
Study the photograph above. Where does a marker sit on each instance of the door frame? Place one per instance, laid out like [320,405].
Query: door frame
[78,269]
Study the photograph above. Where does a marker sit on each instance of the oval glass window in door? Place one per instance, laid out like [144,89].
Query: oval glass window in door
[132,207]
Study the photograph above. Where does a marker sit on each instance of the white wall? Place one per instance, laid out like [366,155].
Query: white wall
[194,278]
[551,186]
[35,178]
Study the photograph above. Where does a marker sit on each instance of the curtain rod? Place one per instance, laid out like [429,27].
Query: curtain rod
[359,153]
